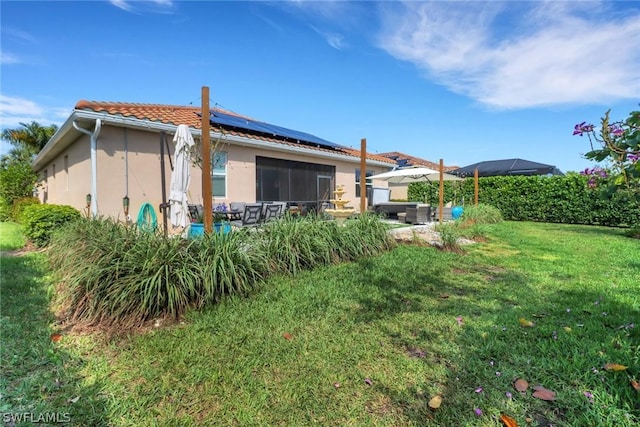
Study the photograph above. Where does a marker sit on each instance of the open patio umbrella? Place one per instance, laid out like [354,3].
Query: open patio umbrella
[409,175]
[416,174]
[180,177]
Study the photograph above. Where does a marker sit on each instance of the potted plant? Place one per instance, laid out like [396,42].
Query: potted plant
[196,228]
[221,219]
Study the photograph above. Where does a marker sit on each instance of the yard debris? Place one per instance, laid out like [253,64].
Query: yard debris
[417,352]
[508,421]
[614,367]
[521,385]
[435,402]
[287,336]
[525,323]
[543,393]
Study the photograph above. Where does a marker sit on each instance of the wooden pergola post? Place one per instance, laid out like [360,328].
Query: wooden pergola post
[206,162]
[475,186]
[363,175]
[441,202]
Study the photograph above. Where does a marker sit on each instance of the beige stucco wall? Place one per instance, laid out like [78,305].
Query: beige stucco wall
[142,179]
[398,191]
[68,175]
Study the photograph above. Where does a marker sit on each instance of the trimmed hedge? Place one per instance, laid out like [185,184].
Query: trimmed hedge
[559,199]
[40,221]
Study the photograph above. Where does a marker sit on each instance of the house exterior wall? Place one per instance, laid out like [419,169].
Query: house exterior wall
[65,180]
[118,147]
[398,191]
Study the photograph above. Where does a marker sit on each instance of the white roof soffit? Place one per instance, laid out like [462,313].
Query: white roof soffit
[48,150]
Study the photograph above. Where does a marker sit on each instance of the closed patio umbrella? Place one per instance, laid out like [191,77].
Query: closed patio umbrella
[180,177]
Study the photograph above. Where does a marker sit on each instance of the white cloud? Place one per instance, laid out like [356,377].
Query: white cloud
[14,111]
[334,40]
[152,5]
[122,4]
[7,58]
[341,16]
[549,54]
[19,35]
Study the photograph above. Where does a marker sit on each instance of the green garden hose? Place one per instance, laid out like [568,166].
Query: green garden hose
[147,220]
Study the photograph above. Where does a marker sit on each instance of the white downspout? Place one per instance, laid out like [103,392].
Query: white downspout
[94,163]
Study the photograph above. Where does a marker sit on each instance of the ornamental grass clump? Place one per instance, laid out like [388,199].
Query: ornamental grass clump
[116,275]
[227,264]
[474,220]
[481,214]
[295,243]
[113,274]
[449,235]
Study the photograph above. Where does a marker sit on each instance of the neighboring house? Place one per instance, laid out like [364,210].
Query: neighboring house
[399,191]
[116,147]
[506,167]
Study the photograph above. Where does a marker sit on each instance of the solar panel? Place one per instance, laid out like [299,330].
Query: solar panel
[242,123]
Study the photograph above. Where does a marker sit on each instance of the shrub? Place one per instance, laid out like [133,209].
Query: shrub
[40,221]
[17,210]
[5,210]
[560,199]
[17,179]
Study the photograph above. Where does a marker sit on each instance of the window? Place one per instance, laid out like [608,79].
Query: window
[369,182]
[219,174]
[66,171]
[45,186]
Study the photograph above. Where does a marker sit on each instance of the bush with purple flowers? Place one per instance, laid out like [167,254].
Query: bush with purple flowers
[220,212]
[617,144]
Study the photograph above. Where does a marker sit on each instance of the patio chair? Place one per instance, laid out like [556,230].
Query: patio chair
[236,210]
[271,211]
[196,212]
[251,215]
[418,215]
[283,207]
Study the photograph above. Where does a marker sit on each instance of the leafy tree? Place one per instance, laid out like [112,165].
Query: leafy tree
[17,178]
[32,136]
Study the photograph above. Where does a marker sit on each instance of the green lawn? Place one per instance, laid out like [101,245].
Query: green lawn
[11,237]
[366,343]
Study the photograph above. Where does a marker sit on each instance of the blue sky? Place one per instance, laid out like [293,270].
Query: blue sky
[462,81]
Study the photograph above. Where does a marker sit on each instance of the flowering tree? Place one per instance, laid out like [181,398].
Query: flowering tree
[617,143]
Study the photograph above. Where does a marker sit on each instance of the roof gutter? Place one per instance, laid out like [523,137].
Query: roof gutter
[171,128]
[94,165]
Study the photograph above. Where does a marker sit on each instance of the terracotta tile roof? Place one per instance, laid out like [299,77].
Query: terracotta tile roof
[177,114]
[414,161]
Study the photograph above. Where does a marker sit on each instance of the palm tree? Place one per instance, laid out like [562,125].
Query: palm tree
[32,136]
